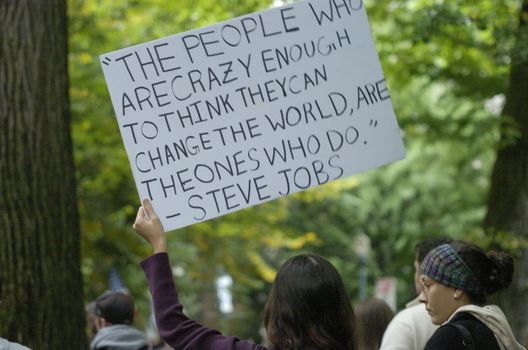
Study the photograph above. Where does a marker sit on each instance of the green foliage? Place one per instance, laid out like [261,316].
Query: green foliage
[444,62]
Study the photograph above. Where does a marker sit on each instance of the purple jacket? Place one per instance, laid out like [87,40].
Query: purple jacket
[174,327]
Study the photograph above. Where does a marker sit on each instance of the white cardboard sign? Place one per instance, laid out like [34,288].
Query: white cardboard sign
[247,110]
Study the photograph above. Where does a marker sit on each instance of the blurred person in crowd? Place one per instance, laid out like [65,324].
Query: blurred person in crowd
[113,322]
[116,284]
[412,327]
[456,280]
[372,317]
[91,318]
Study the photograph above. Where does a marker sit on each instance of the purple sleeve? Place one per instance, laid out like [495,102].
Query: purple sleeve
[174,327]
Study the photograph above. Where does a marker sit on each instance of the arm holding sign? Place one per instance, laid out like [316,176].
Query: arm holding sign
[149,226]
[174,326]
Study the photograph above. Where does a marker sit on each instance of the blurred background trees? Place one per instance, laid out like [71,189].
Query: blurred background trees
[457,73]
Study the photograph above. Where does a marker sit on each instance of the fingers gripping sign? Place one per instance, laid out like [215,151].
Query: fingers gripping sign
[148,226]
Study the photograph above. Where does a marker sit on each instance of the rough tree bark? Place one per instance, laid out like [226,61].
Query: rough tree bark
[508,197]
[40,279]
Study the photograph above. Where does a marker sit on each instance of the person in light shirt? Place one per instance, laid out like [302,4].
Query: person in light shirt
[412,327]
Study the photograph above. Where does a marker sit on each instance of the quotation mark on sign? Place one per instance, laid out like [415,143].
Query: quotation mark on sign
[106,61]
[373,123]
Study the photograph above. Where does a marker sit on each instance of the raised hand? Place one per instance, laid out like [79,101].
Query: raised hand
[149,226]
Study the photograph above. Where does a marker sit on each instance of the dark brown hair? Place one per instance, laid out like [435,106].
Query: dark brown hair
[423,247]
[115,307]
[493,269]
[308,307]
[372,318]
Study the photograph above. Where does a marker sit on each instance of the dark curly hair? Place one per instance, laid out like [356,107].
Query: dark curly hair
[493,269]
[423,247]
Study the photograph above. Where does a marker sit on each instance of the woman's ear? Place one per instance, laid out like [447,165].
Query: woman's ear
[100,322]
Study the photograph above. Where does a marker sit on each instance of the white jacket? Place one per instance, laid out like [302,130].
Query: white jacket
[410,329]
[493,317]
[6,345]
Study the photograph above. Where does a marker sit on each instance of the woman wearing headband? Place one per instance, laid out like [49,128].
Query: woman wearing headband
[456,278]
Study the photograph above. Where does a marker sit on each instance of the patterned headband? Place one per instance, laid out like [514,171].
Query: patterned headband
[444,265]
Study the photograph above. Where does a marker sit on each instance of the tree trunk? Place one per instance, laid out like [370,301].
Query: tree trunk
[508,198]
[40,279]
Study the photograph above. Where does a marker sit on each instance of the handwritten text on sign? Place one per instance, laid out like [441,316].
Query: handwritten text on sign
[244,111]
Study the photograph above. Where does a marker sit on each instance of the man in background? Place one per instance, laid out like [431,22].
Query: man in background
[114,315]
[412,327]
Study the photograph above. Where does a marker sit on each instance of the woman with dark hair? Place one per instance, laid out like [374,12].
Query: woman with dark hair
[307,309]
[456,279]
[372,318]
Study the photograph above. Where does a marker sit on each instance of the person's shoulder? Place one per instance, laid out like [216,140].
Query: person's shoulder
[6,345]
[401,331]
[445,337]
[418,308]
[480,332]
[469,321]
[409,317]
[447,330]
[409,329]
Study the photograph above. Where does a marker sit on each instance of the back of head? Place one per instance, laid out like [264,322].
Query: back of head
[425,246]
[372,318]
[493,269]
[115,307]
[308,307]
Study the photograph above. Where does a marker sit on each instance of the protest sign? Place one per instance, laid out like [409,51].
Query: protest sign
[247,110]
